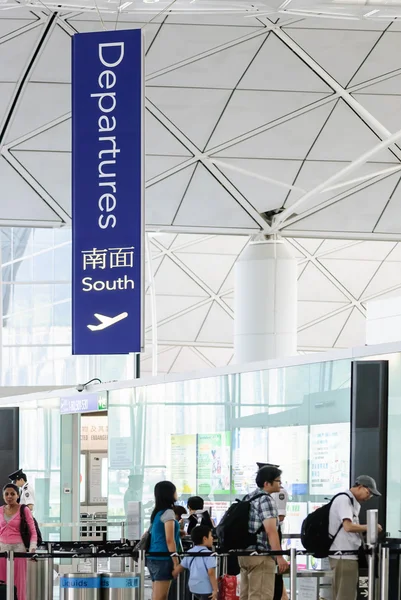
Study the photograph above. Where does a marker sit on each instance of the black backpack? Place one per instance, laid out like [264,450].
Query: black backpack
[233,529]
[25,531]
[315,536]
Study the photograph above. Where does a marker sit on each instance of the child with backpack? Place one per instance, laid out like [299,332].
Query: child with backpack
[202,569]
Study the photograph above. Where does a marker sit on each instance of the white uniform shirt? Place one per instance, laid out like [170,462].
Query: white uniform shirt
[27,494]
[342,508]
[281,499]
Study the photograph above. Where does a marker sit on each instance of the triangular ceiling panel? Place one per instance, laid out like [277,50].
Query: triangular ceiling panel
[200,264]
[221,70]
[8,26]
[387,277]
[168,306]
[170,278]
[19,201]
[228,244]
[229,301]
[354,332]
[354,275]
[336,24]
[189,360]
[383,59]
[276,67]
[149,31]
[324,334]
[357,138]
[207,202]
[184,328]
[248,110]
[340,53]
[53,171]
[220,357]
[356,213]
[15,53]
[290,140]
[390,85]
[212,18]
[159,140]
[54,139]
[41,104]
[228,285]
[165,239]
[219,326]
[165,359]
[314,173]
[361,250]
[386,109]
[263,195]
[310,311]
[314,285]
[183,107]
[6,93]
[187,240]
[54,62]
[310,245]
[175,43]
[390,219]
[157,165]
[164,198]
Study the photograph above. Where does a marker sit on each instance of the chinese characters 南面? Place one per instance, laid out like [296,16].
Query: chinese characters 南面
[113,258]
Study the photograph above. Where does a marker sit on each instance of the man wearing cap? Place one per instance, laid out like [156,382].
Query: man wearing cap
[345,528]
[27,495]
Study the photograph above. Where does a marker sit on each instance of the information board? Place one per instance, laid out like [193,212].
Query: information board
[213,463]
[183,463]
[329,458]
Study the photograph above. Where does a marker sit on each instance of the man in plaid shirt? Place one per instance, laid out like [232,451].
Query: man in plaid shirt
[258,572]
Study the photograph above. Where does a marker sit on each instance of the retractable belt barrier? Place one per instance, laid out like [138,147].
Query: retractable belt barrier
[130,585]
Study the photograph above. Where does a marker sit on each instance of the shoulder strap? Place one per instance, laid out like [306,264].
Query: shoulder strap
[256,497]
[331,502]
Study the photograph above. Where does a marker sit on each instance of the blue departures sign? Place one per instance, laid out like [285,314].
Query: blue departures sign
[107,192]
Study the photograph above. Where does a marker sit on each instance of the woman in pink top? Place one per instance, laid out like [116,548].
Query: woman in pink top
[10,537]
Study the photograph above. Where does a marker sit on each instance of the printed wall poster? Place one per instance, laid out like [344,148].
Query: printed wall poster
[183,463]
[329,458]
[213,455]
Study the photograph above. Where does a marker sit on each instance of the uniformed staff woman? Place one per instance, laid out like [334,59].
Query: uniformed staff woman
[27,494]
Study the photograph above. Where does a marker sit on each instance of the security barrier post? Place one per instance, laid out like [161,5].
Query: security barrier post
[385,563]
[293,573]
[10,575]
[94,551]
[49,566]
[142,574]
[371,574]
[372,521]
[178,580]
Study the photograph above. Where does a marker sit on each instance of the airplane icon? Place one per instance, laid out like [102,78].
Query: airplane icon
[106,321]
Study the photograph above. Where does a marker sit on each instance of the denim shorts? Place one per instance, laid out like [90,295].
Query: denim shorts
[160,570]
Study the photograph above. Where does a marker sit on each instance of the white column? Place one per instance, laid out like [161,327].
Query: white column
[265,321]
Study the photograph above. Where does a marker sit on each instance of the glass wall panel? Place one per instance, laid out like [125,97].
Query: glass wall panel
[206,435]
[40,450]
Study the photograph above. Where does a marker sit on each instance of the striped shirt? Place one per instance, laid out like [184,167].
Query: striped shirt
[261,509]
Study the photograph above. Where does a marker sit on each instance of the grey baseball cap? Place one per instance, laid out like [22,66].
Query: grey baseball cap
[369,483]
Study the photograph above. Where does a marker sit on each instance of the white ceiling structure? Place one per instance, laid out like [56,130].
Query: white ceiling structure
[280,117]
